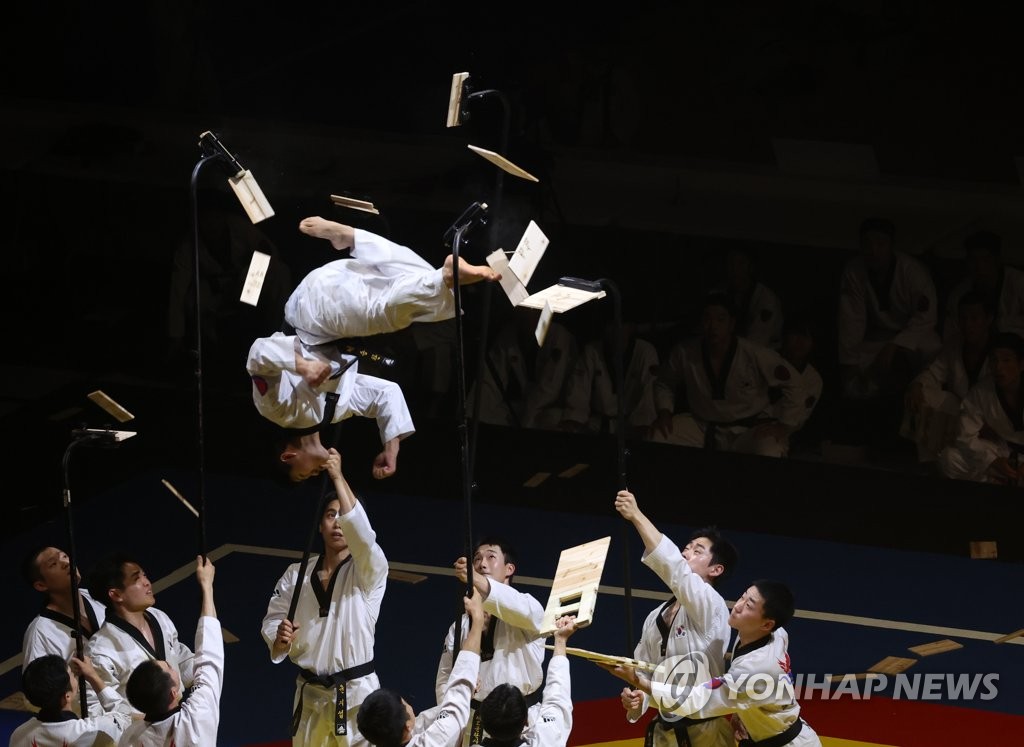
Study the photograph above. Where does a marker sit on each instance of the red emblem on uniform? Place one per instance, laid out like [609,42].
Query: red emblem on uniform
[260,383]
[782,372]
[784,664]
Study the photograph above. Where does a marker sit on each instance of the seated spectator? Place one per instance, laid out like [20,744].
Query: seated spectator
[990,433]
[933,400]
[797,348]
[592,398]
[728,382]
[887,316]
[1002,286]
[758,309]
[523,384]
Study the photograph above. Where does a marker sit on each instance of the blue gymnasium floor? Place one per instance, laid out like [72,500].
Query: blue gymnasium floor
[857,604]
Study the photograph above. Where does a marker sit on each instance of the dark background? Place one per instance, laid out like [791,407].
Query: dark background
[662,134]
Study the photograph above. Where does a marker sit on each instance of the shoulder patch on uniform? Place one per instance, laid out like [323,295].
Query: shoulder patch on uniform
[260,383]
[714,683]
[782,372]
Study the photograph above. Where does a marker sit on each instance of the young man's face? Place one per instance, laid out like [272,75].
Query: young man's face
[974,322]
[876,248]
[54,566]
[330,528]
[489,560]
[983,268]
[137,594]
[747,616]
[305,459]
[697,555]
[1006,368]
[717,325]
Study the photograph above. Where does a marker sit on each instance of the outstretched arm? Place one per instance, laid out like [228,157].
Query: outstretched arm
[625,504]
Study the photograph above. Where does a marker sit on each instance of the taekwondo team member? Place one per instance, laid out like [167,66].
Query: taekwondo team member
[48,570]
[331,638]
[383,287]
[513,649]
[694,623]
[156,689]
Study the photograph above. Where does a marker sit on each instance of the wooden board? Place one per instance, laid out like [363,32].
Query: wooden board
[984,550]
[893,665]
[616,661]
[574,589]
[936,647]
[1009,636]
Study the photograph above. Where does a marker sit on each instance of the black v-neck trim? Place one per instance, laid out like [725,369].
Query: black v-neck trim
[323,595]
[718,382]
[487,640]
[158,650]
[663,627]
[746,648]
[69,623]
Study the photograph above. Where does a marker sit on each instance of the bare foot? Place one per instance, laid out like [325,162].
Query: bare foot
[340,235]
[467,273]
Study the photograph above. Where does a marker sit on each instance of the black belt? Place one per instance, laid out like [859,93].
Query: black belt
[476,728]
[337,682]
[679,728]
[779,739]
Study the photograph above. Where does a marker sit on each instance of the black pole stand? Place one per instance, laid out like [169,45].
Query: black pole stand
[76,609]
[620,434]
[207,157]
[620,428]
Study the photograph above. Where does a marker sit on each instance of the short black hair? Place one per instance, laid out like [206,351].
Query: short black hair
[30,564]
[149,688]
[779,604]
[986,241]
[382,717]
[325,501]
[503,713]
[45,681]
[879,225]
[108,574]
[506,547]
[719,298]
[723,552]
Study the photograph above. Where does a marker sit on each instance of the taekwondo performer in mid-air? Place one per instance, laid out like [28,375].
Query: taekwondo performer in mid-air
[381,287]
